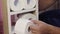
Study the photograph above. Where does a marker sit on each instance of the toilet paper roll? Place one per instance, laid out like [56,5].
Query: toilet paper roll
[16,5]
[23,26]
[29,16]
[29,4]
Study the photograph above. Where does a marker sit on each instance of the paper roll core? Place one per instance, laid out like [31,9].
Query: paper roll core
[30,18]
[28,1]
[15,2]
[30,4]
[28,29]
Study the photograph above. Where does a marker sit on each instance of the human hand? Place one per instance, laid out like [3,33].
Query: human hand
[40,28]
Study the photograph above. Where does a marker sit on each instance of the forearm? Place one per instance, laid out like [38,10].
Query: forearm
[54,30]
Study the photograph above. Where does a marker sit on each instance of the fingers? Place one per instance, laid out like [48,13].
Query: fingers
[37,22]
[34,28]
[38,28]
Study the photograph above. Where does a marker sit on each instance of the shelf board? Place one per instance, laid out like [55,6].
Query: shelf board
[12,29]
[23,11]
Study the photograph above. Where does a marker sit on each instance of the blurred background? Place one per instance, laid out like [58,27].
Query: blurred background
[43,5]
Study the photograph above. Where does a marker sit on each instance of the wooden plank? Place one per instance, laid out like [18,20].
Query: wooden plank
[5,16]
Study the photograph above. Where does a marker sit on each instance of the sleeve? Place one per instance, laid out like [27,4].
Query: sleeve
[51,17]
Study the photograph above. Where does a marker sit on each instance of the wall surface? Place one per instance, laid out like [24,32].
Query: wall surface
[1,22]
[0,10]
[44,4]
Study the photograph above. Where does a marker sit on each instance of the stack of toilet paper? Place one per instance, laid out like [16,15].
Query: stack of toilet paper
[17,5]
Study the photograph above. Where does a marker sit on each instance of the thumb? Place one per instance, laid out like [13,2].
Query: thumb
[36,22]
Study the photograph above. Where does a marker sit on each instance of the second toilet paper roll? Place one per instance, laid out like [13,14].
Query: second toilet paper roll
[29,4]
[29,16]
[23,26]
[16,5]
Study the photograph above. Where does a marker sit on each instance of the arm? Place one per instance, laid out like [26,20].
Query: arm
[54,30]
[43,28]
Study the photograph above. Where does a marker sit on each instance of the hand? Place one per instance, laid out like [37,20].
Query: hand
[40,28]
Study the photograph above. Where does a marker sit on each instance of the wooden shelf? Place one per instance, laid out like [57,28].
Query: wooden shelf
[23,11]
[6,15]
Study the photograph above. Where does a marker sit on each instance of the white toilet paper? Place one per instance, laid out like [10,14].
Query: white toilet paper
[16,5]
[29,16]
[29,4]
[22,26]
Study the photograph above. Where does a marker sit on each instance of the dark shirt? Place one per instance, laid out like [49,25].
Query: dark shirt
[51,17]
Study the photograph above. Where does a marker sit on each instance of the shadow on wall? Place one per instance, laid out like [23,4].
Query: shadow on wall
[1,22]
[45,4]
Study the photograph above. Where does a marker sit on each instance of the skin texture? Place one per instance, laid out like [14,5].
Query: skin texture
[43,28]
[44,4]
